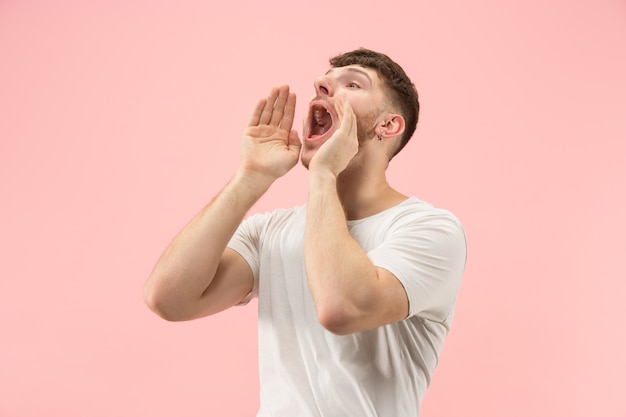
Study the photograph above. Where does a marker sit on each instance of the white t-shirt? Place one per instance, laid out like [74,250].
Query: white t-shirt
[306,370]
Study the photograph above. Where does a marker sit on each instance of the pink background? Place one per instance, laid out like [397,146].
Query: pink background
[119,120]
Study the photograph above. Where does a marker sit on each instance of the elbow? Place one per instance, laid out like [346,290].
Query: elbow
[338,320]
[158,303]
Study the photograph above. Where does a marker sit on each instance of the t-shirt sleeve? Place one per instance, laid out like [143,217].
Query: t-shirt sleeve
[427,255]
[245,242]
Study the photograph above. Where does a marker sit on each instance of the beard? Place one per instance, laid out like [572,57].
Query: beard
[366,126]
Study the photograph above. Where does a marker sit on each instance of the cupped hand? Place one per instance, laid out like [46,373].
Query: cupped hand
[270,148]
[337,152]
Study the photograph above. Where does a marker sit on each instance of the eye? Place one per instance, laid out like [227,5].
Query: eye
[354,85]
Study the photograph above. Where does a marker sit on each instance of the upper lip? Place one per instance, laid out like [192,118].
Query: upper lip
[318,102]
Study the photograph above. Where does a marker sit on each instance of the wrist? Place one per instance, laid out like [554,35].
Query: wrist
[253,182]
[320,178]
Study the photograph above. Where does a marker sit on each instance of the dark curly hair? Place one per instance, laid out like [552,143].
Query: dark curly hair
[401,91]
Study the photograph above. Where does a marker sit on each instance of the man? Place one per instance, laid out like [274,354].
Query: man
[357,288]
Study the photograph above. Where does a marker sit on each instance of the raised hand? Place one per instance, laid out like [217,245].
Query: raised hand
[342,146]
[270,148]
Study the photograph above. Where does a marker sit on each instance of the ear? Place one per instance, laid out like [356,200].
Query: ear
[392,126]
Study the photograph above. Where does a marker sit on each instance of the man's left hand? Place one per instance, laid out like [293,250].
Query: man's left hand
[335,155]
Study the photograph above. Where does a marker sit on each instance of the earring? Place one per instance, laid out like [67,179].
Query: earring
[380,136]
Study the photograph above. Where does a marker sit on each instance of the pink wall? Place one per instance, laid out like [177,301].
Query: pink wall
[120,119]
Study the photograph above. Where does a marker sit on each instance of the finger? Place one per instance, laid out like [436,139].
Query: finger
[347,120]
[349,117]
[279,105]
[347,110]
[256,114]
[266,114]
[294,140]
[340,102]
[340,111]
[290,110]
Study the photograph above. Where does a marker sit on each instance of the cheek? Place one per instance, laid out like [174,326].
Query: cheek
[357,107]
[366,125]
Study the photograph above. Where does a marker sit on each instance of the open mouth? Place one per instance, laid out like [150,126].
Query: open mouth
[320,121]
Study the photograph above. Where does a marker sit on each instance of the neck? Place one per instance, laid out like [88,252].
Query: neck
[364,193]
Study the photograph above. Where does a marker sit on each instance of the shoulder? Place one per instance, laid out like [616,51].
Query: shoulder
[424,227]
[275,217]
[417,213]
[281,213]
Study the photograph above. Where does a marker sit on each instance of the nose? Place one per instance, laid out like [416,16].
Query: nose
[324,86]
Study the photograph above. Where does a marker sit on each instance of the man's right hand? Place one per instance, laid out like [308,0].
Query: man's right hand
[270,148]
[198,275]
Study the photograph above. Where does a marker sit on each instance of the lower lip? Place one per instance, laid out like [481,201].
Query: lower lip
[321,137]
[315,138]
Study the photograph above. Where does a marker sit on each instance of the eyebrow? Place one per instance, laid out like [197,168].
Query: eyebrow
[353,69]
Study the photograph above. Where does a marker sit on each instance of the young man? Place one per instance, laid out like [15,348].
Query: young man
[357,288]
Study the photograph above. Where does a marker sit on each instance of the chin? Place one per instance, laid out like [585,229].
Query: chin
[305,159]
[310,147]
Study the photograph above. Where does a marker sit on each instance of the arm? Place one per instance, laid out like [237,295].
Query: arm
[349,292]
[197,275]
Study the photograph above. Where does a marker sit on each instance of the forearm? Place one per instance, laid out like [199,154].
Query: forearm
[189,264]
[341,276]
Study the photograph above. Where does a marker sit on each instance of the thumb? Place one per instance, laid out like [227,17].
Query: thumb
[294,140]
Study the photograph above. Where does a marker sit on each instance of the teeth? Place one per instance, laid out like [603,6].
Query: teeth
[317,116]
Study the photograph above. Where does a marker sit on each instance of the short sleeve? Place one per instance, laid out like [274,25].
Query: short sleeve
[245,242]
[427,255]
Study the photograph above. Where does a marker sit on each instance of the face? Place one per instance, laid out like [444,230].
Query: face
[361,87]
